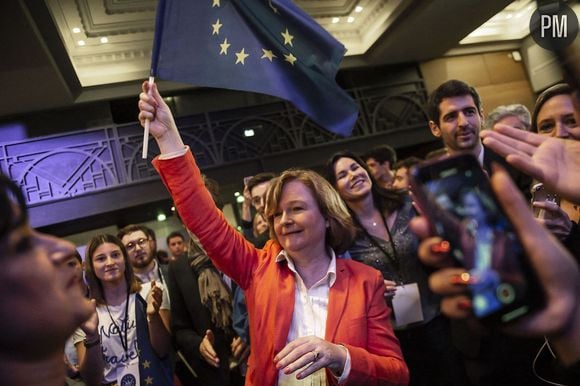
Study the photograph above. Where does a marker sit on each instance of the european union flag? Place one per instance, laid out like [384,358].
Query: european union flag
[265,46]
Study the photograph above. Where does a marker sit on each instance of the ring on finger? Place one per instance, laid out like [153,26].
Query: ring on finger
[316,355]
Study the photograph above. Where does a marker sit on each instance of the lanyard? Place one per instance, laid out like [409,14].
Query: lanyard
[159,273]
[393,258]
[124,323]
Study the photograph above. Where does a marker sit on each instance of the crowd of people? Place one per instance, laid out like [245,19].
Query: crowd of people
[335,278]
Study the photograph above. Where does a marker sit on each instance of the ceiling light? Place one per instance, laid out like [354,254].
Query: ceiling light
[173,209]
[335,20]
[358,9]
[516,56]
[76,30]
[240,199]
[161,217]
[350,19]
[237,194]
[104,40]
[249,133]
[81,43]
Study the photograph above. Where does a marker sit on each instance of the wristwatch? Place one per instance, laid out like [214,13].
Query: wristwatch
[89,344]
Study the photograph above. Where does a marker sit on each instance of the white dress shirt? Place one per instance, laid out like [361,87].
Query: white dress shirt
[309,319]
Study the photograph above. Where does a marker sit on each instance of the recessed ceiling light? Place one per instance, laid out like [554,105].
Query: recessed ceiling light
[236,194]
[76,30]
[104,39]
[358,9]
[335,20]
[81,43]
[161,217]
[249,133]
[240,199]
[350,19]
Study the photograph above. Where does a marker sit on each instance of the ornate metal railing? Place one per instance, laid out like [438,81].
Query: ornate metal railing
[93,160]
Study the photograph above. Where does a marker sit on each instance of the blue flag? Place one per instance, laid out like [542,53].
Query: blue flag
[265,46]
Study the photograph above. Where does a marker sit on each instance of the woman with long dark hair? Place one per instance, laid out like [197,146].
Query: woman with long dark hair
[384,242]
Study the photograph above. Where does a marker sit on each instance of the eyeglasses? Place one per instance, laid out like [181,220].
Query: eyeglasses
[130,246]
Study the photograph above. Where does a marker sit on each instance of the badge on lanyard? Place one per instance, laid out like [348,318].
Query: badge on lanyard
[407,304]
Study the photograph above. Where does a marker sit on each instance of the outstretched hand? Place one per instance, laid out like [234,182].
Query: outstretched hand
[555,268]
[553,161]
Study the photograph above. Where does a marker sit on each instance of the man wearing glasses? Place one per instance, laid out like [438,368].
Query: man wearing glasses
[141,246]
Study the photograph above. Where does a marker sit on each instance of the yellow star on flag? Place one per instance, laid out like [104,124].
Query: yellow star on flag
[224,47]
[268,54]
[290,58]
[241,56]
[287,37]
[146,364]
[149,380]
[216,3]
[216,27]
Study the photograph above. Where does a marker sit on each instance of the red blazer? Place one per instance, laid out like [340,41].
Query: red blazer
[358,316]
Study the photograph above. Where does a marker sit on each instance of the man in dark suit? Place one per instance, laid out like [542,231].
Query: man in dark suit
[201,317]
[456,116]
[196,336]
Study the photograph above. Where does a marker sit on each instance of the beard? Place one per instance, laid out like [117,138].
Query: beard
[142,260]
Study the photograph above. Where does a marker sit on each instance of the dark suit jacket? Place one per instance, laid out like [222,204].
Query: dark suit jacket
[189,321]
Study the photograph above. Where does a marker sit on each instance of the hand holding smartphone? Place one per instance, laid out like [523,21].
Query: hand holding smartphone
[455,195]
[540,194]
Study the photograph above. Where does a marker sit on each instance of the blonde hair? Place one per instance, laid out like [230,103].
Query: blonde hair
[95,286]
[341,230]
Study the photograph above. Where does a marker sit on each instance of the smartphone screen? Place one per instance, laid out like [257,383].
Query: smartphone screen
[456,196]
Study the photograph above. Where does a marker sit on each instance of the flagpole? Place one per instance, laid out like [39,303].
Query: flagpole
[147,122]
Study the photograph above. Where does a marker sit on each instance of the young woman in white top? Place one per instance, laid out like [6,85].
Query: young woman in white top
[134,341]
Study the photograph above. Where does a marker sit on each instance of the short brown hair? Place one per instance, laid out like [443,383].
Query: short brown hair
[341,231]
[132,228]
[95,285]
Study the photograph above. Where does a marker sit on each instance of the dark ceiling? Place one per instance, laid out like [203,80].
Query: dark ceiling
[36,73]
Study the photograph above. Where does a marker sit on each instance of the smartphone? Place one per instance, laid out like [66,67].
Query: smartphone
[539,193]
[456,196]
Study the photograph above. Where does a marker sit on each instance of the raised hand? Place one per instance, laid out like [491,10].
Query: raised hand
[162,125]
[553,161]
[91,325]
[313,352]
[154,299]
[207,350]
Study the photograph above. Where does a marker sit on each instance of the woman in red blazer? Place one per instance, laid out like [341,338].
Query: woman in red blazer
[311,315]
